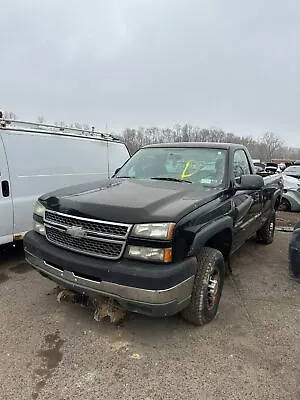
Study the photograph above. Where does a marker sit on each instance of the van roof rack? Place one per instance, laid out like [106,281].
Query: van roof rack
[53,129]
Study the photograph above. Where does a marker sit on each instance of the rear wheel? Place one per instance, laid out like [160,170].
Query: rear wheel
[266,233]
[207,288]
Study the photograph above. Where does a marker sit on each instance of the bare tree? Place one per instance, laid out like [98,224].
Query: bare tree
[9,115]
[77,125]
[268,147]
[40,120]
[271,145]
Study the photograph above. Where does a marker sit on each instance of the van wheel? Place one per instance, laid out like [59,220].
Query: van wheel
[265,234]
[207,288]
[285,205]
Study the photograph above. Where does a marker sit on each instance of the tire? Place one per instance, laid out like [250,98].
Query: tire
[207,288]
[266,233]
[285,205]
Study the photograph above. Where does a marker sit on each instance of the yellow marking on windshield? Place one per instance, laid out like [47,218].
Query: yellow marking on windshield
[184,173]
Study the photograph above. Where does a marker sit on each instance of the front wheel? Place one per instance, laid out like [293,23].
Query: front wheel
[207,288]
[266,233]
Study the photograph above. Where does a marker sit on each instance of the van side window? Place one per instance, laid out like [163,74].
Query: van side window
[240,164]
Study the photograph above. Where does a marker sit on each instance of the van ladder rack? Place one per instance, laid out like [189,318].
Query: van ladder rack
[54,129]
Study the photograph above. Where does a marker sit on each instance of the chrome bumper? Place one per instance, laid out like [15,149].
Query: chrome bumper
[178,294]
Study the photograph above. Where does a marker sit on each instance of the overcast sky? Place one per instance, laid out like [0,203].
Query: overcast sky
[230,64]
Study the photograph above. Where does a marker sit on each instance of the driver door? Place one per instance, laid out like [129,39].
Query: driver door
[248,203]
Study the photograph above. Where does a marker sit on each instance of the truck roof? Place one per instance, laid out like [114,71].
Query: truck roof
[214,145]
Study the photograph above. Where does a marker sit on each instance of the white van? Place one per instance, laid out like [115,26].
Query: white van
[39,158]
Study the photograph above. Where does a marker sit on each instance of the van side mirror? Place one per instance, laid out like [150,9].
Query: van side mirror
[250,182]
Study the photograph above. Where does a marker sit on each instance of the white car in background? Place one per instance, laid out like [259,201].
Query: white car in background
[291,194]
[36,159]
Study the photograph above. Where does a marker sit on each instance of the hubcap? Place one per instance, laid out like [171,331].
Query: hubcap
[213,288]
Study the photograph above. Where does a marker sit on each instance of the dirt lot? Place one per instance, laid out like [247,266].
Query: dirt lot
[287,219]
[54,350]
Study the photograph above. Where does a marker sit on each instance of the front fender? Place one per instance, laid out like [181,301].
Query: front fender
[209,231]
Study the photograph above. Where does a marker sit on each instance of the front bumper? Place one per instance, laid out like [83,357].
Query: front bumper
[111,278]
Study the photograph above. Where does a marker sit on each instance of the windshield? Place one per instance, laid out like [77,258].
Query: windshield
[203,166]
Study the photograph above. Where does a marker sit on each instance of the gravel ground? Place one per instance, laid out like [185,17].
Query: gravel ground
[287,219]
[54,350]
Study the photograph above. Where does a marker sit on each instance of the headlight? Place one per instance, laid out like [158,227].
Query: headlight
[39,209]
[39,228]
[162,230]
[150,254]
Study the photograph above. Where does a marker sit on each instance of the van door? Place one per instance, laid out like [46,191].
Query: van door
[6,205]
[41,163]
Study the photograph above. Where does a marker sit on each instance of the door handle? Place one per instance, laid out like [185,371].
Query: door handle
[5,188]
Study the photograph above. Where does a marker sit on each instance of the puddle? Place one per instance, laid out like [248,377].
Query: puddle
[21,268]
[51,355]
[3,278]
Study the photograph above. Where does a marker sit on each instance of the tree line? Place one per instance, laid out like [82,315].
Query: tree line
[266,148]
[269,146]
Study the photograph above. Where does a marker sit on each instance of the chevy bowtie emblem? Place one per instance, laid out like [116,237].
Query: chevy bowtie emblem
[76,232]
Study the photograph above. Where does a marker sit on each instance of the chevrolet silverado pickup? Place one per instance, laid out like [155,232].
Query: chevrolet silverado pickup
[157,237]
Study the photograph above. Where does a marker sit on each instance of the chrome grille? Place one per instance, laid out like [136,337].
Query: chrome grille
[84,245]
[100,227]
[101,239]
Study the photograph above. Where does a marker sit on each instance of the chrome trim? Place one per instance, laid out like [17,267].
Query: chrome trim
[90,234]
[97,221]
[178,293]
[88,253]
[97,239]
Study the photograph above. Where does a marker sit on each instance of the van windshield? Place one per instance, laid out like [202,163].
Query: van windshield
[202,166]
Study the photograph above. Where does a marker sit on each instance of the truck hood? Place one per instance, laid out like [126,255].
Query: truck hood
[129,200]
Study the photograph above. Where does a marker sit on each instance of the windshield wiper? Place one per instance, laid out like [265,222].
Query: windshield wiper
[158,178]
[125,177]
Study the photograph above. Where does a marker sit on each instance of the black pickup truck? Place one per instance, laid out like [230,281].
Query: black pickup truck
[157,237]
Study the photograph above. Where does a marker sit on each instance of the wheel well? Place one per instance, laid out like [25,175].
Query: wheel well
[287,202]
[277,203]
[222,241]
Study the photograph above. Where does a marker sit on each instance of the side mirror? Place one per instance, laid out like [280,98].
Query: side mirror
[250,182]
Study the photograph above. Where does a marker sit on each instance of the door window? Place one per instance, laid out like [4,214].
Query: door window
[240,164]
